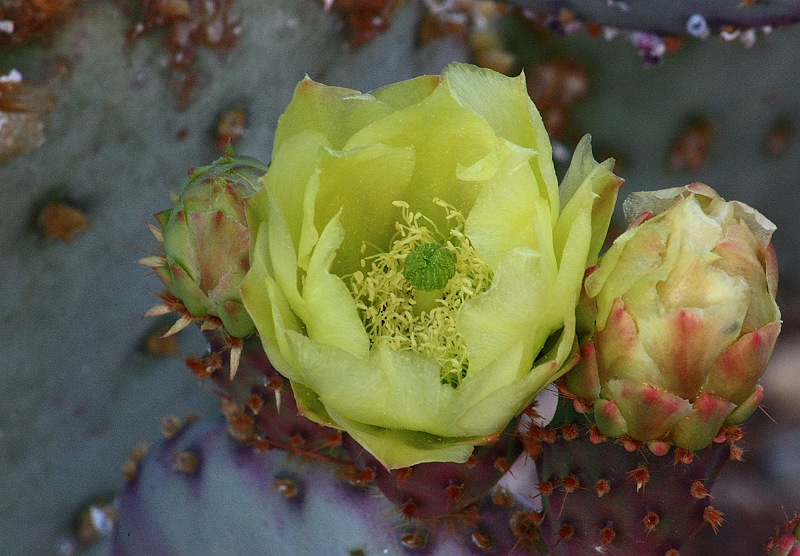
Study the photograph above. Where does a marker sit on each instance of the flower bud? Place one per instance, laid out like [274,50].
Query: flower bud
[686,318]
[206,242]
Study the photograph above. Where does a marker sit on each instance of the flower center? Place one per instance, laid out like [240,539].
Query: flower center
[429,267]
[409,296]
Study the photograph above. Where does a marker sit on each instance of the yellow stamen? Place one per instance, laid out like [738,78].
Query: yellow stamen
[386,299]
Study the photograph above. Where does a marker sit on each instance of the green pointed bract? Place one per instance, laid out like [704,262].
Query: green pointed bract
[412,256]
[206,241]
[686,319]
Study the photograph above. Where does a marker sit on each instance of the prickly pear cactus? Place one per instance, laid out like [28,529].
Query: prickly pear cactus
[92,140]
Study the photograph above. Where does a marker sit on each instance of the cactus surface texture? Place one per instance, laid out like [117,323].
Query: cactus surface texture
[668,17]
[234,499]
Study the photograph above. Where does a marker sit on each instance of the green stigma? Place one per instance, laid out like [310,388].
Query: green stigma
[429,267]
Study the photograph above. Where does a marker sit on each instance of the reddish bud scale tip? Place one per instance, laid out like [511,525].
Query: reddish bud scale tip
[699,491]
[607,536]
[630,444]
[713,517]
[471,462]
[642,218]
[650,521]
[783,546]
[672,552]
[549,435]
[658,448]
[581,406]
[595,436]
[481,540]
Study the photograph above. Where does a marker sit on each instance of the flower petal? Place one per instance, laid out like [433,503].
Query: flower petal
[685,343]
[699,428]
[332,318]
[587,178]
[509,213]
[495,410]
[270,311]
[405,93]
[362,183]
[335,112]
[398,448]
[620,353]
[293,166]
[509,312]
[397,390]
[446,136]
[503,102]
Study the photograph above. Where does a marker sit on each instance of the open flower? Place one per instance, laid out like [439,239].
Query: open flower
[414,272]
[686,318]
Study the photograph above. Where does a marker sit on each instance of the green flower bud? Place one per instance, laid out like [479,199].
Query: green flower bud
[206,242]
[686,318]
[414,268]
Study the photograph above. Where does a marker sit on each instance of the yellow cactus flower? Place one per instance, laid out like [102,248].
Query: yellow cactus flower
[414,267]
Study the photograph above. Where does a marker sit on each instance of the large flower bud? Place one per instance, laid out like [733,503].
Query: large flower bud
[206,242]
[686,319]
